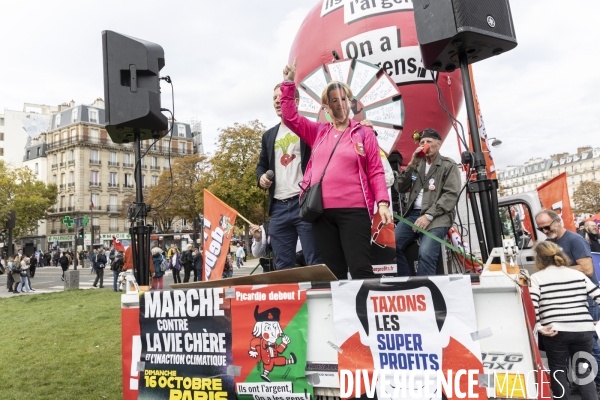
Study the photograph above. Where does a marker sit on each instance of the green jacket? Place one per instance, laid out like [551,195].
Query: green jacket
[439,202]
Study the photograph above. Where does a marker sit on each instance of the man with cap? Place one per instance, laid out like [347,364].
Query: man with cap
[266,331]
[433,183]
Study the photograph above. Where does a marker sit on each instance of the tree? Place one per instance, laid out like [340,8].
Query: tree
[20,190]
[175,195]
[232,176]
[587,197]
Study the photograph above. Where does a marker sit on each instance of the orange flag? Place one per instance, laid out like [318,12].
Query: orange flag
[219,220]
[554,195]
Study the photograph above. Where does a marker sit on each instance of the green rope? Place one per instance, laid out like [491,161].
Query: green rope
[437,239]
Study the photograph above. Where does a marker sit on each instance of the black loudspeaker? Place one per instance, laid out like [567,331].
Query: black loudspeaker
[478,28]
[132,87]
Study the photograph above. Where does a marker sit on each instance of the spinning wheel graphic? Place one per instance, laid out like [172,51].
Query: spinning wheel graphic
[376,97]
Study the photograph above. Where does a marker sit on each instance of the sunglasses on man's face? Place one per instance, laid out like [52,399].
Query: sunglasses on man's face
[545,228]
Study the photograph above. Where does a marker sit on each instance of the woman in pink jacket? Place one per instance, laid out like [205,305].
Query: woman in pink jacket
[353,182]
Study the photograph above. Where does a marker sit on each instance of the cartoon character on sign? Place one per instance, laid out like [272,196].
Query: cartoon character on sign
[264,345]
[226,225]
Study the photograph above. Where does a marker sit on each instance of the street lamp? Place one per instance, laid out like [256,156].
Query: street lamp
[496,142]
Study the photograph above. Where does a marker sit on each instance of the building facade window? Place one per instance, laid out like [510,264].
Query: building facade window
[95,156]
[180,130]
[96,201]
[154,180]
[36,169]
[94,134]
[113,179]
[57,122]
[74,115]
[93,114]
[128,180]
[95,178]
[71,177]
[181,148]
[114,224]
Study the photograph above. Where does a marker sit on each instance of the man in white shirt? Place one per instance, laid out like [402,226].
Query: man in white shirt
[286,156]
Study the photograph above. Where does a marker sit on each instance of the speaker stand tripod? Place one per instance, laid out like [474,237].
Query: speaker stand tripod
[140,233]
[486,188]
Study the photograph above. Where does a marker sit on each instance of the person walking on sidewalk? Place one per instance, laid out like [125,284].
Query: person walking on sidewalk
[239,255]
[187,261]
[99,265]
[63,261]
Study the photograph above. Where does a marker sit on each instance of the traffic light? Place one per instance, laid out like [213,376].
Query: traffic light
[3,233]
[80,233]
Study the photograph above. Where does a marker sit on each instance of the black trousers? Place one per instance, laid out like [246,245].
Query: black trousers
[176,276]
[187,269]
[343,236]
[99,277]
[557,350]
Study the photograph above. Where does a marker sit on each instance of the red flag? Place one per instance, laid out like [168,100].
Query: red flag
[118,245]
[219,220]
[554,195]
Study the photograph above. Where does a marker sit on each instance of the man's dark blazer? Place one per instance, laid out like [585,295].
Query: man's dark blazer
[266,159]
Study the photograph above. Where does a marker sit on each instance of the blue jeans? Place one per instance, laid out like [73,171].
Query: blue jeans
[429,250]
[285,228]
[115,279]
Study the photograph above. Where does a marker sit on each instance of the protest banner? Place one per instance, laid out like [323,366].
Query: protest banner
[219,220]
[554,195]
[269,342]
[414,331]
[186,345]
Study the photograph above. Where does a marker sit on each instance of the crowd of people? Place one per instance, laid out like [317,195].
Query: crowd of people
[341,161]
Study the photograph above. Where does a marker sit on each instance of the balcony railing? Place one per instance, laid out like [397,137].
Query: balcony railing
[62,209]
[113,185]
[96,208]
[53,231]
[155,167]
[95,162]
[95,184]
[72,208]
[62,186]
[62,230]
[127,165]
[113,164]
[71,230]
[71,162]
[113,208]
[113,228]
[54,166]
[128,186]
[62,164]
[71,185]
[144,166]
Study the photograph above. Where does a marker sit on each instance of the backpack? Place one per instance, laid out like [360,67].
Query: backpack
[164,264]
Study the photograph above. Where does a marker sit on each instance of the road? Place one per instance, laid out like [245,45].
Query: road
[47,279]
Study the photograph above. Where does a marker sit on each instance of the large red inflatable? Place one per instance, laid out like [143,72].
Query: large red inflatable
[380,59]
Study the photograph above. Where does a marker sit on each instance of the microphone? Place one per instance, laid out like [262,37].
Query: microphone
[270,174]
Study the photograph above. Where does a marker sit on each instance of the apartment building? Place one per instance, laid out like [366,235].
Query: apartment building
[94,175]
[580,167]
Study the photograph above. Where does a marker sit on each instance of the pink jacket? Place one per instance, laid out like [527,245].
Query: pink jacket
[371,174]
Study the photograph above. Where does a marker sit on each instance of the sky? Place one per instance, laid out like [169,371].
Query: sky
[224,57]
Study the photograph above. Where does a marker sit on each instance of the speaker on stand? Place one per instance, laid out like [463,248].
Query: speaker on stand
[453,34]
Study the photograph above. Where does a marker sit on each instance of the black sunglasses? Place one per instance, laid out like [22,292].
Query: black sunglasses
[546,228]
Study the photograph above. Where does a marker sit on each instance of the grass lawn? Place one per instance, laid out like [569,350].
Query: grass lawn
[64,345]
